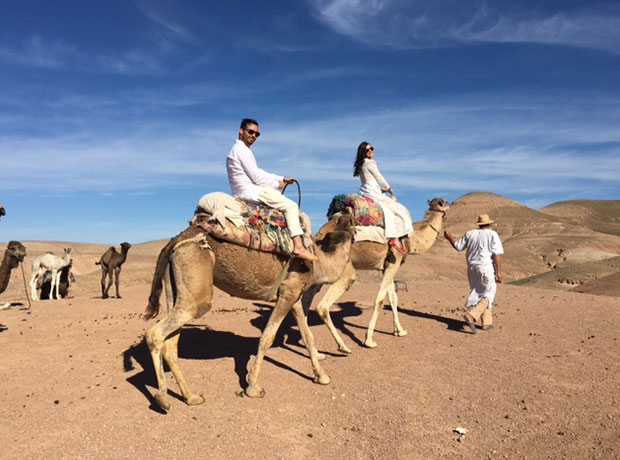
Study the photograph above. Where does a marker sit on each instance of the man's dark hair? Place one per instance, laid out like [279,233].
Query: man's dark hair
[248,121]
[2,211]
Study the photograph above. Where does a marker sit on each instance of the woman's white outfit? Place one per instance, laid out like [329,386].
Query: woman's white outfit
[397,218]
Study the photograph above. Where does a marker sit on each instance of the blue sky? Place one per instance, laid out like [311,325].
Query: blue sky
[117,116]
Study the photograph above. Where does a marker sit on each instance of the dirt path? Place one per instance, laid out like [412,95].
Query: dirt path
[76,381]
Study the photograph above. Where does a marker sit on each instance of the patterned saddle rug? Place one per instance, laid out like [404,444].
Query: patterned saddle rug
[366,211]
[262,228]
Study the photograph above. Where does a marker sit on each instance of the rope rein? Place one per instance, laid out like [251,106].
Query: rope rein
[25,286]
[298,192]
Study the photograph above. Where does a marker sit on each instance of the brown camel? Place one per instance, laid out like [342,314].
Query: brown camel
[368,255]
[14,254]
[111,262]
[193,263]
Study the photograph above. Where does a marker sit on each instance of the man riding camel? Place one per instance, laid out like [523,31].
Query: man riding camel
[249,182]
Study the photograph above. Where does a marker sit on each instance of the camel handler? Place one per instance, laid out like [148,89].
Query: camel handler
[484,268]
[249,182]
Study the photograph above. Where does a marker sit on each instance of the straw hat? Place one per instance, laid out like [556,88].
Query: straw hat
[484,219]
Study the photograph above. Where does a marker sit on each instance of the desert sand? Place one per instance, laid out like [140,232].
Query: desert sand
[77,380]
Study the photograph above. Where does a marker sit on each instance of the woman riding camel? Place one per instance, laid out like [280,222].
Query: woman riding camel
[397,218]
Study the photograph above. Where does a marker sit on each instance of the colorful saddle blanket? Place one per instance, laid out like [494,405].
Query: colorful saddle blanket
[263,228]
[366,211]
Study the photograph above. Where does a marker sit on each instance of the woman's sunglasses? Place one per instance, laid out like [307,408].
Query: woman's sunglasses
[368,149]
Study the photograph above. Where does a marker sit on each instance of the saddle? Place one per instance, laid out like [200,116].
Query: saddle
[247,223]
[367,215]
[366,211]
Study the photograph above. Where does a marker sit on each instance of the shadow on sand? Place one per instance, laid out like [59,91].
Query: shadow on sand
[453,324]
[201,342]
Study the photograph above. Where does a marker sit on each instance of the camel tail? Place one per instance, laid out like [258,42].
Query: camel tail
[152,309]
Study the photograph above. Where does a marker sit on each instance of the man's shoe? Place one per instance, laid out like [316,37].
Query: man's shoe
[471,325]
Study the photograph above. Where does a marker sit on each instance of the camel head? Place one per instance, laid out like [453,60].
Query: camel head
[438,205]
[338,229]
[16,250]
[125,246]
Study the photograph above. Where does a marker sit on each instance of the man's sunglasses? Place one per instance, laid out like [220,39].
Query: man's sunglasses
[252,132]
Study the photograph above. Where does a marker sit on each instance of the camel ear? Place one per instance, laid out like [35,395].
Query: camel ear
[428,202]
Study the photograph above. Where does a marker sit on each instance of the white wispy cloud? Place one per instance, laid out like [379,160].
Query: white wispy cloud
[410,24]
[38,53]
[526,145]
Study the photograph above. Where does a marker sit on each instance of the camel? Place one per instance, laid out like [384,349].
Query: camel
[55,264]
[111,262]
[368,255]
[44,283]
[194,262]
[14,254]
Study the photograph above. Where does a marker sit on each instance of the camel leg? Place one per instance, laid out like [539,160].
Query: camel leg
[306,302]
[386,281]
[194,300]
[171,355]
[54,283]
[104,274]
[110,281]
[286,299]
[334,292]
[302,322]
[399,331]
[155,338]
[34,294]
[117,273]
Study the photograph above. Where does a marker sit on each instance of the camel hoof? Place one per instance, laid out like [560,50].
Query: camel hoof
[195,400]
[345,349]
[400,333]
[322,379]
[254,391]
[370,343]
[105,296]
[162,401]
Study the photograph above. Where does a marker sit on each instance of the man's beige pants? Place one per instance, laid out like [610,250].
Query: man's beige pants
[481,309]
[274,199]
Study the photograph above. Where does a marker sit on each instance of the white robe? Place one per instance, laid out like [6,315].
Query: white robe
[397,218]
[481,244]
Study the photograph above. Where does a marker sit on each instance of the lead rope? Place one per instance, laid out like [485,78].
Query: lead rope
[25,287]
[298,192]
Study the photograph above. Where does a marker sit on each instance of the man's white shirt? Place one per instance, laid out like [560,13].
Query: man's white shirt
[246,179]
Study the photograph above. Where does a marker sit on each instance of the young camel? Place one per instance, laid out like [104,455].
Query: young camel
[55,264]
[193,263]
[111,262]
[368,255]
[14,254]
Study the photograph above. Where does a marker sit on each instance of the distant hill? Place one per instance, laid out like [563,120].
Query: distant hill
[571,245]
[537,244]
[599,215]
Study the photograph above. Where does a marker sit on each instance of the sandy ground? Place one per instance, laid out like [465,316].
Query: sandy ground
[77,380]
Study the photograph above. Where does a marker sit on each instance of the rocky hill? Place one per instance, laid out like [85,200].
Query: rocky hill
[538,244]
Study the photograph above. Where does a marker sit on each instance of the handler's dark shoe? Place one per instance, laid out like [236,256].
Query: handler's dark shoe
[471,325]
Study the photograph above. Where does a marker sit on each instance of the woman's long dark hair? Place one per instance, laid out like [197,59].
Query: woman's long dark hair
[359,160]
